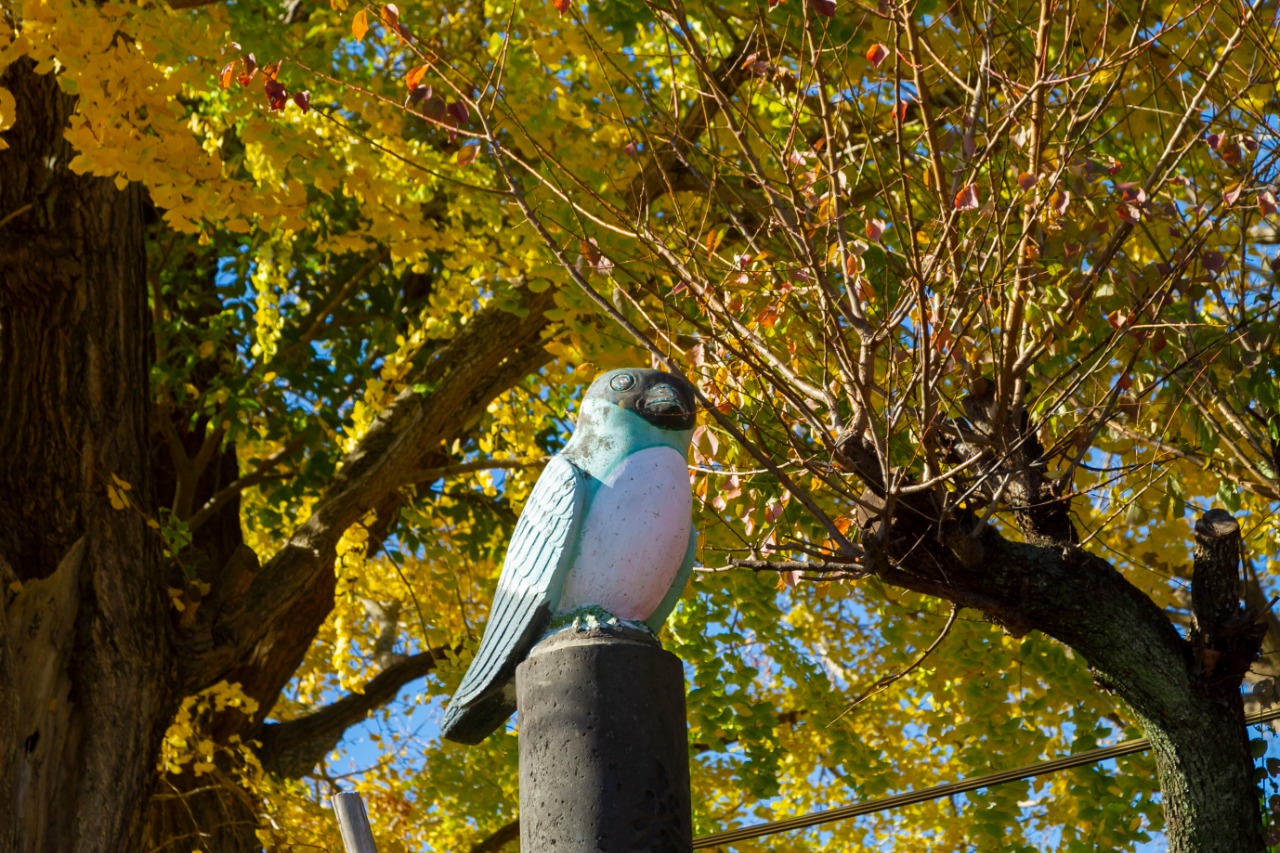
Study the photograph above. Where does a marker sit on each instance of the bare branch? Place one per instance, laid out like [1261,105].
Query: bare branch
[235,487]
[293,748]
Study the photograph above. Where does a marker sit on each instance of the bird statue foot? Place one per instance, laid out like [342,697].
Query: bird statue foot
[593,617]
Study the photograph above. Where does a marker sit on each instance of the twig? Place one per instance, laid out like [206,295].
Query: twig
[883,684]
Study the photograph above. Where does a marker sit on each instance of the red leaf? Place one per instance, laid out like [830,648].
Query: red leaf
[1232,194]
[1214,140]
[592,258]
[902,111]
[1132,193]
[277,94]
[874,229]
[360,24]
[1213,261]
[877,54]
[303,100]
[391,17]
[228,74]
[416,95]
[561,6]
[466,154]
[825,8]
[1157,341]
[1125,382]
[1267,203]
[1059,201]
[1129,213]
[250,69]
[767,318]
[967,198]
[458,110]
[432,107]
[1026,181]
[630,150]
[415,75]
[272,71]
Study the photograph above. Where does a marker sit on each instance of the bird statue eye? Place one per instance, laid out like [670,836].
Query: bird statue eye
[622,382]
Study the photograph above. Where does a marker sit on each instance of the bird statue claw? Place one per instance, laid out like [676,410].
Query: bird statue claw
[593,617]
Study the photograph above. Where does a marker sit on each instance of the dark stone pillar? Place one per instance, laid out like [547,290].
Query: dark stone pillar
[604,753]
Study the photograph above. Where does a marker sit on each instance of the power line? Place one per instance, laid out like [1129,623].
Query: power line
[990,780]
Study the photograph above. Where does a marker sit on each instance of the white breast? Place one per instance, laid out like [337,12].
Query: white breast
[634,537]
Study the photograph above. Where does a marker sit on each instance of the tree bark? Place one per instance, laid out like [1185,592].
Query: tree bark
[257,635]
[89,687]
[1184,692]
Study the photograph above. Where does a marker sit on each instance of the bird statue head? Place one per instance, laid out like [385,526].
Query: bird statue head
[628,410]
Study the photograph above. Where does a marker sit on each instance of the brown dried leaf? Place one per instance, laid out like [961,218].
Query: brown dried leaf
[1267,202]
[967,198]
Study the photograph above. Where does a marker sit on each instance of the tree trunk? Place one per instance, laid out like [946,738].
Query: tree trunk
[88,688]
[1185,692]
[1206,779]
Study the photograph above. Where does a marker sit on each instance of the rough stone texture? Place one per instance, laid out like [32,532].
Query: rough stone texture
[604,756]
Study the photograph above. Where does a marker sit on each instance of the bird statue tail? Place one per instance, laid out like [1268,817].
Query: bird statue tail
[479,719]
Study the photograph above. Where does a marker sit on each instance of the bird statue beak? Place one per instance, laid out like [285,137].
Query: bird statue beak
[662,401]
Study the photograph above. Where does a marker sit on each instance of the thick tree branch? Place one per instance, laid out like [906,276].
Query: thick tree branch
[292,594]
[500,838]
[292,749]
[913,542]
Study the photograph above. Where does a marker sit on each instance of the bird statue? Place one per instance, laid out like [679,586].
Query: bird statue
[606,536]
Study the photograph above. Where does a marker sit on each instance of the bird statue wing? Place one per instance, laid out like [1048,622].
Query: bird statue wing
[533,575]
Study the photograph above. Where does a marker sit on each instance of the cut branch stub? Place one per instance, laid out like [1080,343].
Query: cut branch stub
[1227,635]
[1215,583]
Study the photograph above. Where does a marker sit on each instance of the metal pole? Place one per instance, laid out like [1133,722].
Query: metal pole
[353,822]
[604,752]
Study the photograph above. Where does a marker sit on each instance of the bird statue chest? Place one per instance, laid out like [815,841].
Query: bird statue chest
[634,536]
